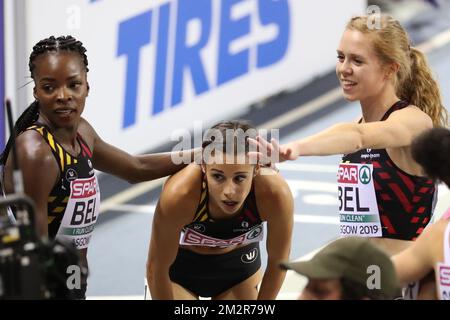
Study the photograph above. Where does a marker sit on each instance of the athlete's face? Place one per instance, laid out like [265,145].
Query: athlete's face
[359,70]
[228,186]
[60,87]
[322,289]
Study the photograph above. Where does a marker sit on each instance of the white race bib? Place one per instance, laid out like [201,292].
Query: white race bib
[358,209]
[443,280]
[81,212]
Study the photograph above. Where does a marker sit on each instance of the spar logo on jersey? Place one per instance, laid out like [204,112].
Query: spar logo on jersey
[84,188]
[250,256]
[194,238]
[348,173]
[444,275]
[364,175]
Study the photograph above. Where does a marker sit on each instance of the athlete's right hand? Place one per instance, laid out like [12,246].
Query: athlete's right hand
[271,152]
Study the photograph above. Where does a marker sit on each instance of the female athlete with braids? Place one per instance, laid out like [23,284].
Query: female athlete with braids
[58,150]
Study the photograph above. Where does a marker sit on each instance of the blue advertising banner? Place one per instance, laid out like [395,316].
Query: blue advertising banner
[165,68]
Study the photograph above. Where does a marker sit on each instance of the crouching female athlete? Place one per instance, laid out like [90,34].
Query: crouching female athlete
[209,222]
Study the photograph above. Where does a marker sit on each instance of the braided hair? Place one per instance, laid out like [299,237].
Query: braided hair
[31,114]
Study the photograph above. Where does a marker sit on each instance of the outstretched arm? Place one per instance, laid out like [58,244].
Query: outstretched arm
[276,203]
[419,259]
[398,130]
[133,168]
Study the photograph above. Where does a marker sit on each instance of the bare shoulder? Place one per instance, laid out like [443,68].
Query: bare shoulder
[31,147]
[37,162]
[87,132]
[84,126]
[272,194]
[181,192]
[414,114]
[186,181]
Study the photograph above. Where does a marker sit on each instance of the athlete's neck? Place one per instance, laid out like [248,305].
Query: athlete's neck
[373,108]
[66,136]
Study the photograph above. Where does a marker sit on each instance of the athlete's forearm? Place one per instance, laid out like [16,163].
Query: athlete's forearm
[159,165]
[339,139]
[160,287]
[271,283]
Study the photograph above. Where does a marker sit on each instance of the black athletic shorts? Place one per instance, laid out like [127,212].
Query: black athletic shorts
[208,275]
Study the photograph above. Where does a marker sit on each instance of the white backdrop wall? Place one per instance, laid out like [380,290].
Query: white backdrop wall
[160,65]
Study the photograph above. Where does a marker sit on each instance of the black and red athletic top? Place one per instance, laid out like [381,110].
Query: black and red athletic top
[405,202]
